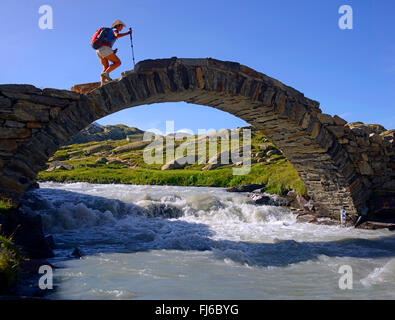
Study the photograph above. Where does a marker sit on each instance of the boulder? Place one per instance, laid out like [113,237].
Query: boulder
[97,132]
[306,218]
[101,160]
[137,145]
[58,165]
[269,199]
[180,163]
[97,148]
[260,199]
[246,188]
[116,161]
[216,160]
[299,202]
[339,121]
[77,253]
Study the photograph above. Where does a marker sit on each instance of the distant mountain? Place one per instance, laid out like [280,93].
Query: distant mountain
[97,132]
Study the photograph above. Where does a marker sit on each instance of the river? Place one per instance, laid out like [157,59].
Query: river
[169,242]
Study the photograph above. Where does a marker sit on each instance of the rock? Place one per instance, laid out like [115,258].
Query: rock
[223,159]
[75,153]
[212,166]
[180,163]
[5,102]
[22,88]
[325,118]
[137,145]
[77,253]
[35,125]
[260,199]
[326,222]
[14,124]
[306,218]
[97,148]
[269,199]
[96,132]
[339,121]
[309,205]
[101,160]
[273,151]
[85,88]
[265,147]
[14,133]
[382,204]
[299,202]
[374,225]
[117,162]
[246,188]
[163,210]
[376,138]
[32,112]
[50,241]
[58,165]
[338,131]
[65,94]
[365,168]
[28,233]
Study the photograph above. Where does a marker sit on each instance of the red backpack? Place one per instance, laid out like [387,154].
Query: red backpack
[100,38]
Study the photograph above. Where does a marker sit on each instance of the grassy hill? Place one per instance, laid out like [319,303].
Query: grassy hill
[122,161]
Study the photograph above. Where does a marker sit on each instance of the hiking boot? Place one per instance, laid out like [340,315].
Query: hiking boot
[106,76]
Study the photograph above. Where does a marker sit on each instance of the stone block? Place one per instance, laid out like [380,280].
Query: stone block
[337,131]
[14,133]
[27,111]
[14,124]
[5,102]
[8,145]
[325,119]
[34,125]
[157,64]
[376,138]
[339,121]
[63,94]
[365,168]
[22,88]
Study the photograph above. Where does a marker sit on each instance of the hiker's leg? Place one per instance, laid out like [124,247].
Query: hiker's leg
[105,64]
[115,62]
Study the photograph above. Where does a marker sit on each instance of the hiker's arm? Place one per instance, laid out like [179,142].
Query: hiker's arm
[120,35]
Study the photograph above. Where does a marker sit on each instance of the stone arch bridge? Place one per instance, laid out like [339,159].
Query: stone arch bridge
[339,164]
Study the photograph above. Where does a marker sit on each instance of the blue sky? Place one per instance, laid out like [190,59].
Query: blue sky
[351,72]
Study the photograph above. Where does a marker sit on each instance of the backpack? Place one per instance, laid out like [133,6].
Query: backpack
[99,39]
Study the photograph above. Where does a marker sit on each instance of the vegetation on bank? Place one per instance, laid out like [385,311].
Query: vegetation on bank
[278,178]
[10,259]
[5,206]
[122,161]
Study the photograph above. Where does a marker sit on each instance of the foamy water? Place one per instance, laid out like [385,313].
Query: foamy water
[164,242]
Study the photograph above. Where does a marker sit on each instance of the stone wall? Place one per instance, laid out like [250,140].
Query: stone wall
[339,163]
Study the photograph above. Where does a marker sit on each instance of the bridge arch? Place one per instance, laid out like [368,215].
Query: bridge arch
[37,122]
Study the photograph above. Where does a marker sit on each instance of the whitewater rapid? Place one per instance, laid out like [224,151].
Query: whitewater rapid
[167,242]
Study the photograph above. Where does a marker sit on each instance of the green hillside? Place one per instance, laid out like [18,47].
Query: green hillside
[122,161]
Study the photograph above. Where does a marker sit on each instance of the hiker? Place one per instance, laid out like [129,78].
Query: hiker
[105,51]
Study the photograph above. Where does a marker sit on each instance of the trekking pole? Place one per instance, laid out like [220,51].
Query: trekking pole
[131,41]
